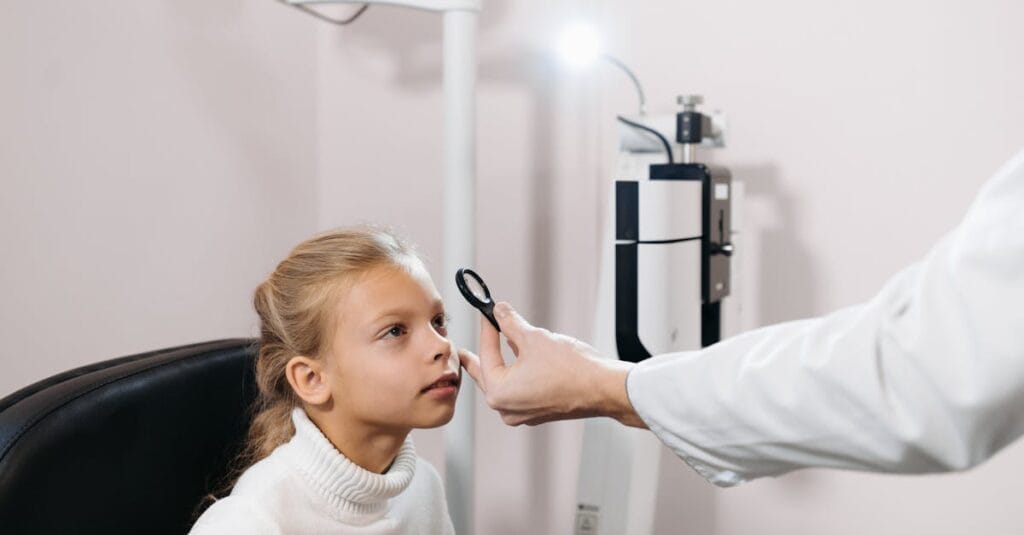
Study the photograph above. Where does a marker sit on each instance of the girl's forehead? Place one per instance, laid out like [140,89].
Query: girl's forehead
[385,288]
[409,270]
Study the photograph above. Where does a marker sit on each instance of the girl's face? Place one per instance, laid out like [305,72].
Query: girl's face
[390,363]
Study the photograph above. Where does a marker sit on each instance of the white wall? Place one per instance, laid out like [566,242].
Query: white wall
[156,159]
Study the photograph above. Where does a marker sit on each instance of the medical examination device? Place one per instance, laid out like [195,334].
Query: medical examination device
[475,290]
[666,271]
[459,18]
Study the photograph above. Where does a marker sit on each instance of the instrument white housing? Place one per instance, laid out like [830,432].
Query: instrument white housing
[622,481]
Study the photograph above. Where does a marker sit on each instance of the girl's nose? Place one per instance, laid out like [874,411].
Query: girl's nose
[443,347]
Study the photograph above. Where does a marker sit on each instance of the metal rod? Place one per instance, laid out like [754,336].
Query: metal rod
[459,239]
[688,153]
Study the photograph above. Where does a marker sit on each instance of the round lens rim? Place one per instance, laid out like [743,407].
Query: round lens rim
[467,292]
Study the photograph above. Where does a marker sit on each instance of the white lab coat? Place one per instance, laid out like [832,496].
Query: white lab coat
[928,376]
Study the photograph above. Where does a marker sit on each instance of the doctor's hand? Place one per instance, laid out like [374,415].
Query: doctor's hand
[554,377]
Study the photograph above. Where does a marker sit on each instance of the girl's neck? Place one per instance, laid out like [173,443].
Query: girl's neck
[369,447]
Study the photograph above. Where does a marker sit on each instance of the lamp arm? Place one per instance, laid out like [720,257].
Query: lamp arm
[636,81]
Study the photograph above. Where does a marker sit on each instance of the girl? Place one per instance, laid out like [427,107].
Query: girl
[353,355]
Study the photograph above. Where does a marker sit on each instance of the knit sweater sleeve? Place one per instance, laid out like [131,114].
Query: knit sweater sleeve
[235,515]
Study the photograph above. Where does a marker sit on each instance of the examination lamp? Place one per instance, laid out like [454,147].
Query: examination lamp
[580,46]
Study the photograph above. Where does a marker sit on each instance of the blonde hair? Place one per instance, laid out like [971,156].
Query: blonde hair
[294,307]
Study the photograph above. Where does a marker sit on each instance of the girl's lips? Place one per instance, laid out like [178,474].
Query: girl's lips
[442,392]
[449,379]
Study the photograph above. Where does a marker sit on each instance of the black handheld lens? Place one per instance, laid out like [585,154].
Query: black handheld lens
[476,292]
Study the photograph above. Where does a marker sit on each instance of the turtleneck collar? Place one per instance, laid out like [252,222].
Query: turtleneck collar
[353,492]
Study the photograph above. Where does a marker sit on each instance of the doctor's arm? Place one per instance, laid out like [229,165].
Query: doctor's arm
[927,376]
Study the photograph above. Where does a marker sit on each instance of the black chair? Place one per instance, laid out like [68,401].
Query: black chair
[130,445]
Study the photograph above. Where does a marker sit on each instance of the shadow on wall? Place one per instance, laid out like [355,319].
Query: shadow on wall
[533,70]
[415,51]
[785,279]
[685,502]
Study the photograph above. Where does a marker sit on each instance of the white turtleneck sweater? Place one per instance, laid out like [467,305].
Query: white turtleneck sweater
[307,486]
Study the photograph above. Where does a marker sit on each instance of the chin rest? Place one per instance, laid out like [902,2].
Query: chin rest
[130,445]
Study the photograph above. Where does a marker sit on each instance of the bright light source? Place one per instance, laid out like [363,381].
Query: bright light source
[579,45]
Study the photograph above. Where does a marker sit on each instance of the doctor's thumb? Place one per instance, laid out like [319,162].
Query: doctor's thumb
[513,326]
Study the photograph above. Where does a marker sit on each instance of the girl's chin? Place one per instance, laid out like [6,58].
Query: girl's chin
[438,421]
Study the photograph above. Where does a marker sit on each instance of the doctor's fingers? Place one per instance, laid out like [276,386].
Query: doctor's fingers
[490,359]
[516,329]
[471,363]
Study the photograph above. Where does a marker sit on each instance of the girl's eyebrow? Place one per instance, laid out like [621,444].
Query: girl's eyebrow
[396,312]
[404,312]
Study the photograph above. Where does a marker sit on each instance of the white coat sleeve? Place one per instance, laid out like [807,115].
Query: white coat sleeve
[928,376]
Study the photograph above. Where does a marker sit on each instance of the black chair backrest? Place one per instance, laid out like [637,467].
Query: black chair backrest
[130,445]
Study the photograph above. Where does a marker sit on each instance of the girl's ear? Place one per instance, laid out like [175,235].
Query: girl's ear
[308,380]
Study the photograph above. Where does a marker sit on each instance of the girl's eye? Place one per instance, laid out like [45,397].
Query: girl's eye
[441,322]
[395,331]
